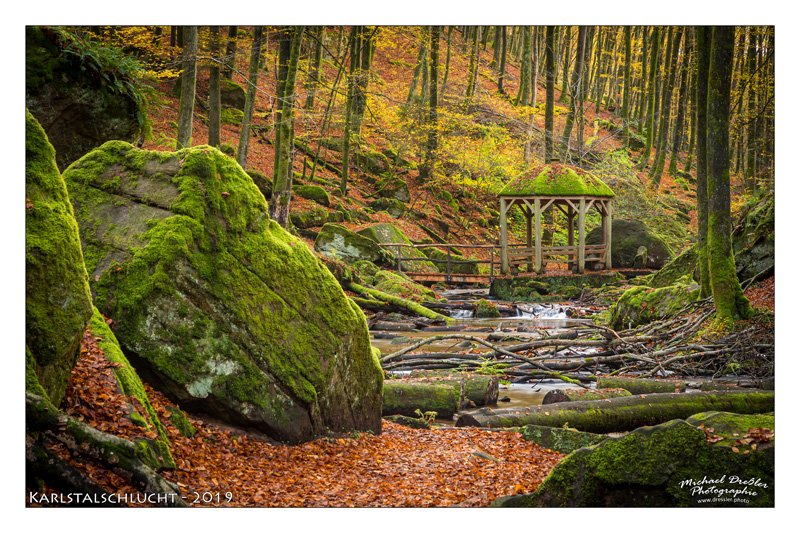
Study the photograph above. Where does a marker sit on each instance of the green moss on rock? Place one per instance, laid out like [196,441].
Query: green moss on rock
[486,309]
[389,234]
[231,314]
[395,208]
[564,440]
[132,387]
[311,218]
[57,299]
[670,464]
[640,305]
[544,288]
[315,193]
[627,236]
[337,241]
[399,285]
[558,180]
[682,265]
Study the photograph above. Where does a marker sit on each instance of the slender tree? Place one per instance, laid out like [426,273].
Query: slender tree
[446,62]
[432,124]
[678,133]
[501,76]
[188,86]
[363,57]
[651,97]
[312,82]
[729,299]
[250,97]
[565,56]
[230,52]
[666,108]
[284,128]
[214,104]
[549,65]
[523,94]
[354,46]
[626,84]
[574,94]
[473,64]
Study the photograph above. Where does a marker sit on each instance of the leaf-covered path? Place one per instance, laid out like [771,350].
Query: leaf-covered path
[400,467]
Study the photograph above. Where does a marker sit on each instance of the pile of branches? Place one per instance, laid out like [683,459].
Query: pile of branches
[578,355]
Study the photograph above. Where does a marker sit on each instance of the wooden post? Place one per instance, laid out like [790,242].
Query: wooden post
[537,213]
[503,237]
[581,236]
[491,265]
[571,233]
[399,258]
[529,234]
[449,266]
[607,236]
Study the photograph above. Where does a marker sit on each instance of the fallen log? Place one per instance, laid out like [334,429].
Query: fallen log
[581,395]
[409,306]
[621,414]
[640,385]
[382,325]
[403,397]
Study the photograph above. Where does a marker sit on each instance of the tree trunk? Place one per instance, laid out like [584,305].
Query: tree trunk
[250,98]
[355,49]
[641,385]
[433,133]
[679,120]
[535,66]
[214,105]
[523,94]
[729,299]
[666,108]
[581,395]
[626,83]
[651,97]
[312,83]
[411,307]
[230,52]
[703,43]
[622,414]
[574,96]
[366,48]
[446,63]
[501,76]
[188,87]
[284,131]
[472,75]
[565,56]
[550,67]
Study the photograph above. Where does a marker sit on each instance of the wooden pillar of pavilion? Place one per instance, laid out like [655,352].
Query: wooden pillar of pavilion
[504,269]
[570,233]
[537,215]
[607,233]
[529,233]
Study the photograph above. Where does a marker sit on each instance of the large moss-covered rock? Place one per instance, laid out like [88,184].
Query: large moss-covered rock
[310,218]
[671,464]
[458,263]
[394,188]
[640,305]
[564,440]
[337,241]
[224,310]
[388,234]
[395,208]
[83,93]
[682,265]
[231,94]
[315,193]
[57,299]
[626,238]
[754,239]
[141,411]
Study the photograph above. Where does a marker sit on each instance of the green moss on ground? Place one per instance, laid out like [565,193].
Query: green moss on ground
[57,299]
[640,305]
[315,193]
[399,285]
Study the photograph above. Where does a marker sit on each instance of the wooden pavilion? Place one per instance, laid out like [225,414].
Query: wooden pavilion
[574,192]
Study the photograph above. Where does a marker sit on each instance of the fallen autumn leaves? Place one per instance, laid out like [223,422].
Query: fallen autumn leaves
[402,467]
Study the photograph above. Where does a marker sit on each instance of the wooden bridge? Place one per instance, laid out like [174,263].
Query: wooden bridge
[521,259]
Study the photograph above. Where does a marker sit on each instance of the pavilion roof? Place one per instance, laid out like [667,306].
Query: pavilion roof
[557,180]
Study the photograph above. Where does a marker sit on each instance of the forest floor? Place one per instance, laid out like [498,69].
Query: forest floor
[401,467]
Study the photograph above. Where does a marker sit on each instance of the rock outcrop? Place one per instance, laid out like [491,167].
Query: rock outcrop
[627,236]
[220,307]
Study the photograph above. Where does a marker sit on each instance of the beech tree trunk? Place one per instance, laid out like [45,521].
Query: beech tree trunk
[188,87]
[214,105]
[250,98]
[433,134]
[230,52]
[549,106]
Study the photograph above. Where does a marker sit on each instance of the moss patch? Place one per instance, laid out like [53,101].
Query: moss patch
[640,305]
[399,285]
[339,242]
[388,234]
[57,299]
[315,193]
[557,180]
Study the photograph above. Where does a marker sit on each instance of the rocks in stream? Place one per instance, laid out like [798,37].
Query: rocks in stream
[224,310]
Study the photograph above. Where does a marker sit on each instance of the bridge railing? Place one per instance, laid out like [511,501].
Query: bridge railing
[451,261]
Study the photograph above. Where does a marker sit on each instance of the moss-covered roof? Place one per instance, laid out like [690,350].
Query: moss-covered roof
[557,180]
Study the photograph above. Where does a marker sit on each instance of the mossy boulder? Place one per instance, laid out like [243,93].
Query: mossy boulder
[626,238]
[640,305]
[396,208]
[309,218]
[394,188]
[57,299]
[337,241]
[564,440]
[262,181]
[684,264]
[133,389]
[668,465]
[315,193]
[223,309]
[754,239]
[389,233]
[83,92]
[370,160]
[231,94]
[486,309]
[231,115]
[399,285]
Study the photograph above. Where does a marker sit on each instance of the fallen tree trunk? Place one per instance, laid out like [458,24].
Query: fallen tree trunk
[409,306]
[641,386]
[581,395]
[622,414]
[401,397]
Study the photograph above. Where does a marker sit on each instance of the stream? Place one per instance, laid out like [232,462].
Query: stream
[530,322]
